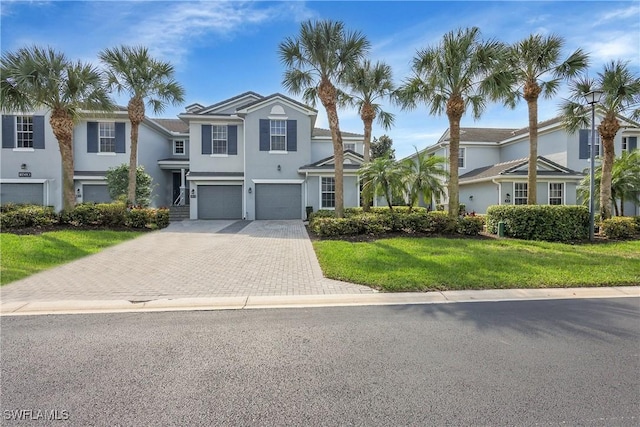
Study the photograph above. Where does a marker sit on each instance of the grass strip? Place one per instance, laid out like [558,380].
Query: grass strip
[422,264]
[24,255]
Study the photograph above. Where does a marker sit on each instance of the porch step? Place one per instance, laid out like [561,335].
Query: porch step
[178,213]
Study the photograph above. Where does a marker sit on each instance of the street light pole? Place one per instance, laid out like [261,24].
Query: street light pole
[592,98]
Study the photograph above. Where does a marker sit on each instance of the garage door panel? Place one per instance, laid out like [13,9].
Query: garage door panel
[27,193]
[96,194]
[278,201]
[220,202]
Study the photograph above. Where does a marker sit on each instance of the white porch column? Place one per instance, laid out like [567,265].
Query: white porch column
[182,187]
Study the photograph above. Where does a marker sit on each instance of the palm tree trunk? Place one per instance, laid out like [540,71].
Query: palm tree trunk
[367,114]
[327,95]
[455,110]
[531,92]
[136,116]
[607,129]
[62,126]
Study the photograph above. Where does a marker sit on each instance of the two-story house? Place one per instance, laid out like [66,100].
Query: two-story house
[258,157]
[249,156]
[493,163]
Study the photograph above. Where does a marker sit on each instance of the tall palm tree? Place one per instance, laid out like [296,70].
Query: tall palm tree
[447,78]
[625,181]
[35,77]
[368,83]
[383,177]
[621,96]
[424,175]
[134,71]
[317,61]
[534,68]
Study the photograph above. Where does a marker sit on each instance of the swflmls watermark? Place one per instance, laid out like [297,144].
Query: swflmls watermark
[35,415]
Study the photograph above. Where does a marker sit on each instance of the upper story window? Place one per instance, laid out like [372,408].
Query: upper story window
[556,190]
[24,131]
[625,143]
[278,135]
[219,138]
[520,193]
[178,147]
[349,146]
[107,137]
[461,157]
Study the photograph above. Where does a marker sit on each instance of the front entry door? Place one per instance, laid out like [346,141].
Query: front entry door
[176,187]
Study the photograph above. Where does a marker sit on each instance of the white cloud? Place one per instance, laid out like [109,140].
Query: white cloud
[615,15]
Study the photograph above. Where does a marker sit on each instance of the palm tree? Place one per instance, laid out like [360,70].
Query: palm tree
[424,175]
[317,62]
[621,95]
[447,78]
[528,63]
[369,83]
[625,181]
[35,77]
[383,177]
[132,70]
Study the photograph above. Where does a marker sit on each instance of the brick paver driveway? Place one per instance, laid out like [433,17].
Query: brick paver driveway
[190,259]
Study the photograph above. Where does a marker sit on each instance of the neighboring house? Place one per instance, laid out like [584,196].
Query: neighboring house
[493,163]
[249,156]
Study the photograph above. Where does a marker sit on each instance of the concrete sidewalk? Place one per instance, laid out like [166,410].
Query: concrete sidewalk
[297,301]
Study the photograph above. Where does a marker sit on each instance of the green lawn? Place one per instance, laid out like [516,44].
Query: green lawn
[22,256]
[420,264]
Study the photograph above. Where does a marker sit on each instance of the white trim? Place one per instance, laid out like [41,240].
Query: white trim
[107,153]
[89,178]
[320,193]
[513,195]
[278,152]
[278,117]
[464,158]
[277,181]
[184,147]
[215,178]
[219,155]
[24,150]
[24,181]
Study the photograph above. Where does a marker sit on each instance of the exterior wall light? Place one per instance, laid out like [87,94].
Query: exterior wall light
[78,194]
[279,168]
[250,190]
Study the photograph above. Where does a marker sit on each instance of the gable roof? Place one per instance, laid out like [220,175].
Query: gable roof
[248,94]
[326,133]
[472,134]
[328,163]
[513,167]
[266,99]
[173,125]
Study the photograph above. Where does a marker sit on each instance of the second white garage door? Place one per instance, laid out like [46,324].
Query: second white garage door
[278,201]
[219,202]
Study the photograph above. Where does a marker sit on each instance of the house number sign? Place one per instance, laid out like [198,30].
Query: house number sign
[24,174]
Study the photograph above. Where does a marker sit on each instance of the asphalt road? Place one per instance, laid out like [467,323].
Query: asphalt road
[561,362]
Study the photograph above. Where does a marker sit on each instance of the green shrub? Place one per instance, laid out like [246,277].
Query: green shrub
[138,218]
[441,223]
[112,214]
[322,213]
[162,218]
[19,216]
[619,227]
[470,225]
[540,222]
[333,227]
[82,214]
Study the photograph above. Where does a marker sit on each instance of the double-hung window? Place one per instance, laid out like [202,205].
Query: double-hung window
[178,147]
[107,137]
[625,144]
[461,155]
[556,195]
[24,132]
[328,192]
[520,193]
[349,146]
[219,139]
[278,135]
[597,143]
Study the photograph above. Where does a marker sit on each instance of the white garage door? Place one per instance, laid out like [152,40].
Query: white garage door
[278,201]
[219,202]
[26,193]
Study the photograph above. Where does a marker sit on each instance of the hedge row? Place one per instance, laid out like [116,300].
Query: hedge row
[108,215]
[540,222]
[621,227]
[382,220]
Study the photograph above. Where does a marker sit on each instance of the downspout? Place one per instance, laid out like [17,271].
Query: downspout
[245,188]
[306,191]
[499,190]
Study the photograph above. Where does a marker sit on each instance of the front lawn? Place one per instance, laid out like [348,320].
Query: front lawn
[421,264]
[25,255]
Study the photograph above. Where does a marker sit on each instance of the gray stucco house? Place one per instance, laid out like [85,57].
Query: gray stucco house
[250,156]
[493,165]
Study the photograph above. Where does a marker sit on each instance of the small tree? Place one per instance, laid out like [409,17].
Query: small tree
[424,175]
[382,147]
[383,176]
[118,184]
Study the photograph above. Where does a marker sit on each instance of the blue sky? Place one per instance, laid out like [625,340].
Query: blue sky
[221,49]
